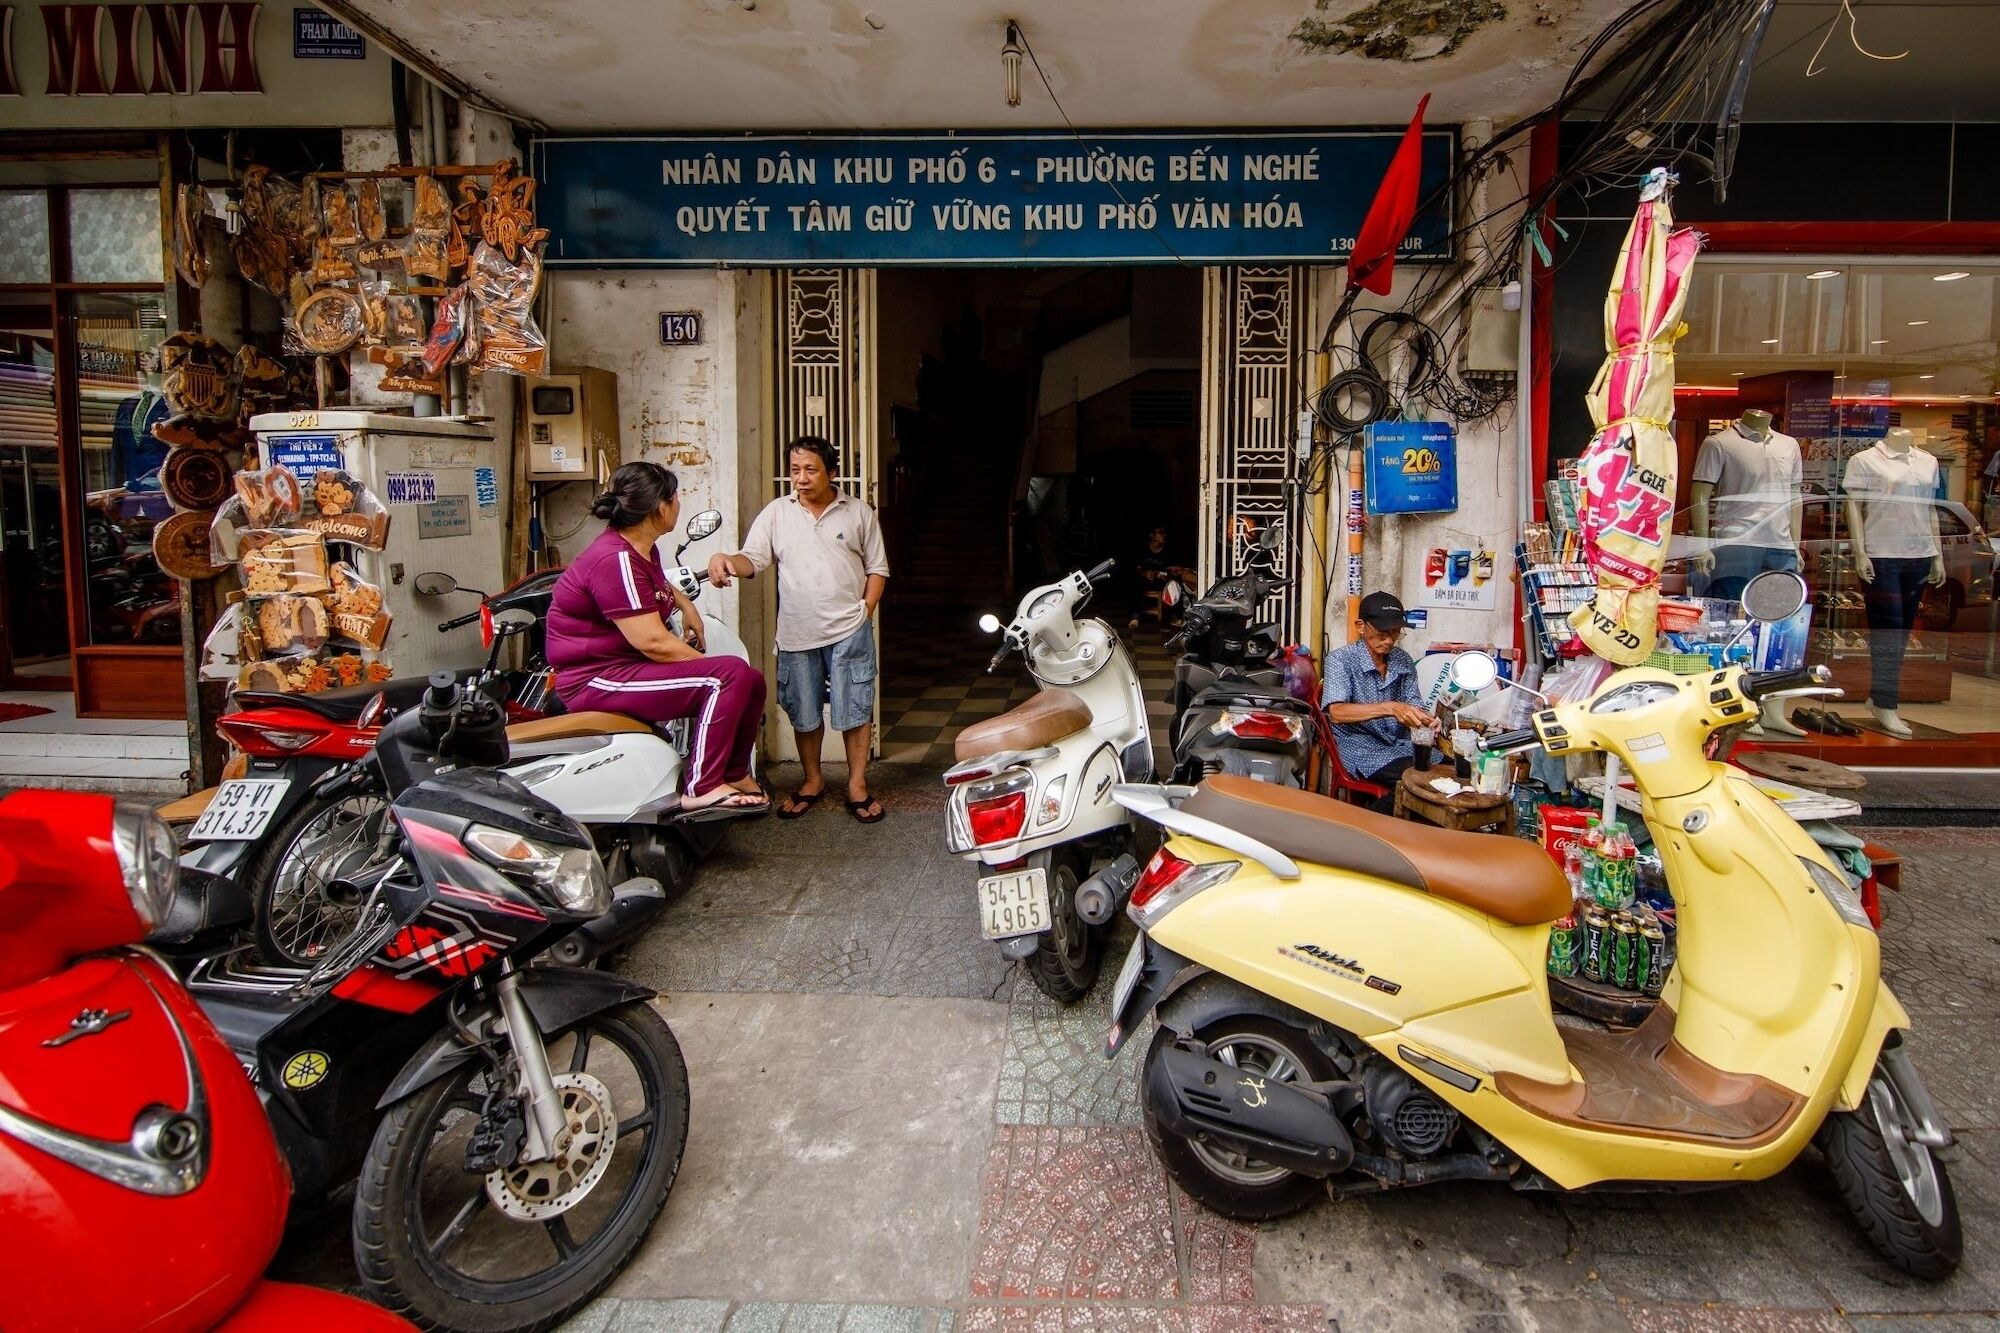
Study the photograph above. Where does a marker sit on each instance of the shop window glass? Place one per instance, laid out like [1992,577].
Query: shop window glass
[114,236]
[34,605]
[1883,370]
[24,236]
[129,598]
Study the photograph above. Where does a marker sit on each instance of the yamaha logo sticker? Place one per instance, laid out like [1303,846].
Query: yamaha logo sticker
[306,1069]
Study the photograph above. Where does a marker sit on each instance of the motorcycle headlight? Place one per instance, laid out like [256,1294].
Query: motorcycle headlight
[1838,892]
[148,858]
[573,877]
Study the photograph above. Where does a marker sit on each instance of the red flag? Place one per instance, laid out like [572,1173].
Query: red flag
[1373,262]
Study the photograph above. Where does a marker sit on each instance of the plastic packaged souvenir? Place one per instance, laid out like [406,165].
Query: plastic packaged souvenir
[503,295]
[446,331]
[368,210]
[265,498]
[340,509]
[291,623]
[340,216]
[405,325]
[286,675]
[327,322]
[356,607]
[406,374]
[272,560]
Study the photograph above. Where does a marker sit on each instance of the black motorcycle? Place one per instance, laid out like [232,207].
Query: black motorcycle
[1232,710]
[475,1094]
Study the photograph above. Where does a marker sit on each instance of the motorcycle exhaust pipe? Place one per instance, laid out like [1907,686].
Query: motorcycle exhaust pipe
[1099,897]
[1197,1095]
[633,904]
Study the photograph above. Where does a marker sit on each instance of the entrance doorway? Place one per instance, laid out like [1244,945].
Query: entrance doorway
[1029,422]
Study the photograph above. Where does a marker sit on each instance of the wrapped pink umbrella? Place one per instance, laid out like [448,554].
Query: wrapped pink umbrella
[1625,512]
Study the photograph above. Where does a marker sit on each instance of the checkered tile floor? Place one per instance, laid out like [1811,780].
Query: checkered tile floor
[933,690]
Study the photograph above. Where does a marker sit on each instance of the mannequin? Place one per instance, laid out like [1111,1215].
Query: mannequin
[1892,526]
[1747,469]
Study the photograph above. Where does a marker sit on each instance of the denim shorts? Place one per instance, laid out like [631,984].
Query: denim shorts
[842,674]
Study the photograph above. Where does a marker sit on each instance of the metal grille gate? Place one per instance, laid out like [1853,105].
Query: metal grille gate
[1256,350]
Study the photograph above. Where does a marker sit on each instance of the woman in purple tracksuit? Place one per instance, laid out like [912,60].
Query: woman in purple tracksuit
[609,643]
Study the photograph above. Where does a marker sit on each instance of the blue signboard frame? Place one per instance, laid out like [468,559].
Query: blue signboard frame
[1214,197]
[1412,467]
[318,35]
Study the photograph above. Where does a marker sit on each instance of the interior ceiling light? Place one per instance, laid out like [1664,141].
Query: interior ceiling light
[1823,273]
[1952,276]
[1010,62]
[1770,342]
[1918,323]
[1736,374]
[1877,342]
[1926,377]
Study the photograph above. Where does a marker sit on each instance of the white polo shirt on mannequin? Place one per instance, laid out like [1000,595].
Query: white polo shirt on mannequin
[1896,494]
[1738,466]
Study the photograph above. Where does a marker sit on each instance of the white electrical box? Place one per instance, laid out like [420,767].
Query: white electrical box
[1492,333]
[442,482]
[572,425]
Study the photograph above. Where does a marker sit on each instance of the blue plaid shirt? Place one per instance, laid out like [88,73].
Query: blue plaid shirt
[1366,748]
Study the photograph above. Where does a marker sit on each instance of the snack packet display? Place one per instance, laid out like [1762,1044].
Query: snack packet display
[356,607]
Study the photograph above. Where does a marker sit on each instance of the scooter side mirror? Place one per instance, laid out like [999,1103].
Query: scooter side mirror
[705,524]
[1774,595]
[1273,532]
[989,623]
[434,584]
[513,621]
[1473,672]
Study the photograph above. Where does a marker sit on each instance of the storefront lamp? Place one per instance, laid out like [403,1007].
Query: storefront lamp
[1953,276]
[1010,62]
[1823,273]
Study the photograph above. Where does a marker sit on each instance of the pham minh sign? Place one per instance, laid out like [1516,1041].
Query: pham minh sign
[139,50]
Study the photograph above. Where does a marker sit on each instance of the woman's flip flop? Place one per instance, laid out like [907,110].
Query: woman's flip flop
[802,800]
[856,807]
[723,802]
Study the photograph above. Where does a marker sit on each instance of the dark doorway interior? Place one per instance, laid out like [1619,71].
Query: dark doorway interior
[1033,421]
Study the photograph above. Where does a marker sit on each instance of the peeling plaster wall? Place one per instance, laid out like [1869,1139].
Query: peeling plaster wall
[680,407]
[1488,487]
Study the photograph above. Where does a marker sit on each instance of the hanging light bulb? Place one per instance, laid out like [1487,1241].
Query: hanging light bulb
[1010,62]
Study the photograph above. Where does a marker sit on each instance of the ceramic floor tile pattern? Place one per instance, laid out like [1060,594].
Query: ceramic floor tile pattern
[931,692]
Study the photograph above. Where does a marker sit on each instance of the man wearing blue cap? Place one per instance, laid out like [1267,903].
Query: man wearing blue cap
[1370,696]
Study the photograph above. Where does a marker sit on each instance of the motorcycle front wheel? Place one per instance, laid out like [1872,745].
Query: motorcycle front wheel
[1895,1187]
[524,1247]
[299,910]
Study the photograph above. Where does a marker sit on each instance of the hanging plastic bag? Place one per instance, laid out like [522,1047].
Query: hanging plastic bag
[446,331]
[356,605]
[341,509]
[503,294]
[273,560]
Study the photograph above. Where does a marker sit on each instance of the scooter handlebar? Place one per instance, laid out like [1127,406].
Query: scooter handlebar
[1757,684]
[1100,571]
[1510,740]
[458,622]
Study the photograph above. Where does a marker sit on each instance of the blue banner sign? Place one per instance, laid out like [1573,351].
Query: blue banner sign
[1219,198]
[1412,467]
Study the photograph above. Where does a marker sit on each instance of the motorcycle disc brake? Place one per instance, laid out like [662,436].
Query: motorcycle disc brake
[535,1191]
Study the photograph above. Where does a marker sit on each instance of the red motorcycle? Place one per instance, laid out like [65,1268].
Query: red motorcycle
[140,1184]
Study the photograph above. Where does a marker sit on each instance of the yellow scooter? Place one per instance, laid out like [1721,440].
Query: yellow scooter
[1349,1003]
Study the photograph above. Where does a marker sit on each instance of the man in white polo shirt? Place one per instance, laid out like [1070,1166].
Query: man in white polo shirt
[832,570]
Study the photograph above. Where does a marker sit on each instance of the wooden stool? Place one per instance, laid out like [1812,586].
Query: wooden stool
[1468,812]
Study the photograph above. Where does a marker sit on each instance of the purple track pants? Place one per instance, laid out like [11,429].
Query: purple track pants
[724,696]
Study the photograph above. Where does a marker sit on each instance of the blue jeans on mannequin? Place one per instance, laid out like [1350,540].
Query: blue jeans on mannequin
[1892,601]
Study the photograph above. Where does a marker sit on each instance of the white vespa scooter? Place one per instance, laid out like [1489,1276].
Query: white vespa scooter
[1031,792]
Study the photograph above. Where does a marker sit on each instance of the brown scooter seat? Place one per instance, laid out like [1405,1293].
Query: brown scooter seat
[1506,878]
[1043,720]
[572,726]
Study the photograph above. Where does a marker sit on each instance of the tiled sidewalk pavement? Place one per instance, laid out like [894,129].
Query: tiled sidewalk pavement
[893,1131]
